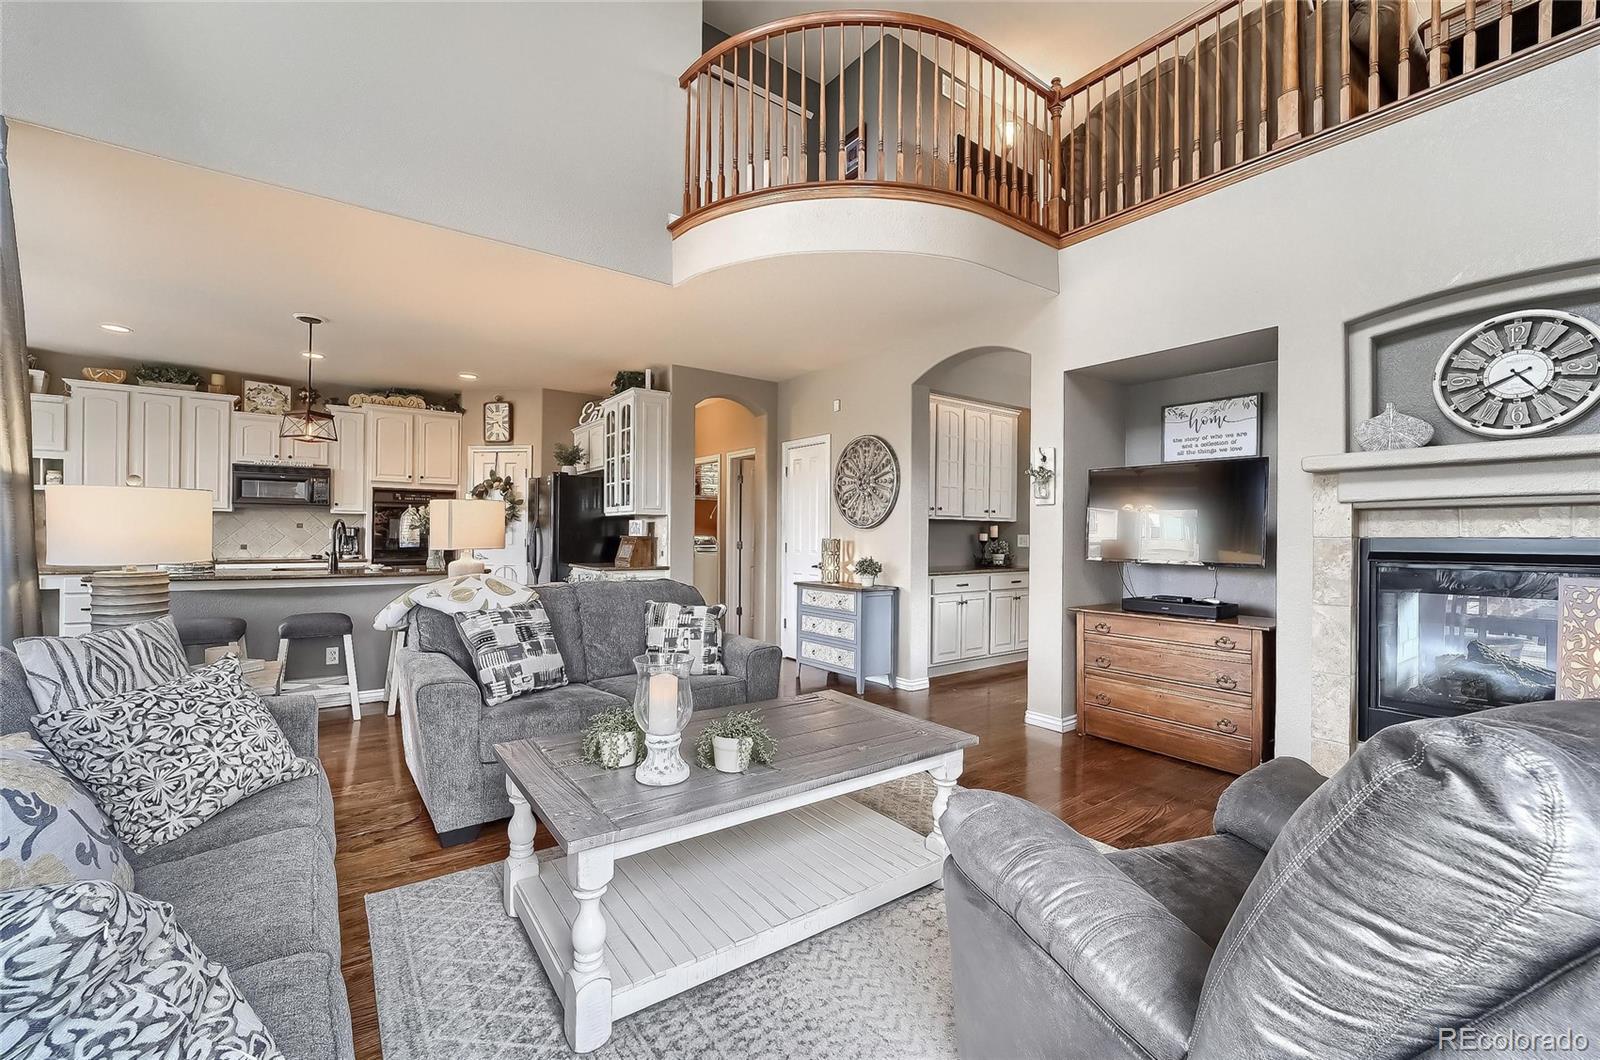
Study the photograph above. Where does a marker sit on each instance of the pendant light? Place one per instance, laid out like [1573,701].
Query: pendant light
[308,424]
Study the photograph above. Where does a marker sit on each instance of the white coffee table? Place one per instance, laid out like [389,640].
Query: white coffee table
[655,890]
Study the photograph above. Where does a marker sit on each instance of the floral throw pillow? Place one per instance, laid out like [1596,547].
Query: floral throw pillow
[163,760]
[695,631]
[77,671]
[514,650]
[51,832]
[92,970]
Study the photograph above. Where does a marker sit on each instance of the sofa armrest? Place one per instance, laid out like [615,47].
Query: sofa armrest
[1257,805]
[296,715]
[758,663]
[1137,964]
[442,705]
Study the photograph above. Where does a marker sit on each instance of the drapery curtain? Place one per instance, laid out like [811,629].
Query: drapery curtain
[19,569]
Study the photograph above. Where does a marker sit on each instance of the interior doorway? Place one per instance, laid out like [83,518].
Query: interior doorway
[729,512]
[805,514]
[742,568]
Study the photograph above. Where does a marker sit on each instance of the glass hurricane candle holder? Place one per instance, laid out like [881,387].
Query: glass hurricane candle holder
[662,703]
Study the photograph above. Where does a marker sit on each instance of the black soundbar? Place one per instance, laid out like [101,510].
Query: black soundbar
[1181,606]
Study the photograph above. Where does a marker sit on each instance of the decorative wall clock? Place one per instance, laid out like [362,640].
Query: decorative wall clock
[496,422]
[1520,373]
[866,481]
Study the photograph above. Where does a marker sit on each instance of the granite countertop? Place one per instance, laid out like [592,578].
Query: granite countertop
[349,571]
[977,570]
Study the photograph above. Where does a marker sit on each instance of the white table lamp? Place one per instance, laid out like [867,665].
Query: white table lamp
[466,525]
[122,532]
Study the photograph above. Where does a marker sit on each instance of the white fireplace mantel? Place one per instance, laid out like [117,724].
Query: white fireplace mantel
[1527,469]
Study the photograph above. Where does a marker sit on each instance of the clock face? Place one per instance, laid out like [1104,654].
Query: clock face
[1520,373]
[497,421]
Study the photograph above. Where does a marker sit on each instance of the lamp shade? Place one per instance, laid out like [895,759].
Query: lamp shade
[466,524]
[116,526]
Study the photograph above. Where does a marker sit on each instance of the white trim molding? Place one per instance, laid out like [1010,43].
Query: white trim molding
[1051,721]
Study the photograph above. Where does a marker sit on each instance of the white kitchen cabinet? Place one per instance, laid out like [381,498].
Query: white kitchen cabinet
[973,452]
[48,420]
[591,438]
[1008,621]
[348,491]
[255,437]
[155,438]
[946,624]
[207,437]
[945,447]
[438,460]
[975,463]
[306,454]
[1002,470]
[977,616]
[636,452]
[974,625]
[391,445]
[98,435]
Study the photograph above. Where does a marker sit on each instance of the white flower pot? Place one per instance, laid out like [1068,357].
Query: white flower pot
[731,755]
[623,746]
[37,380]
[569,469]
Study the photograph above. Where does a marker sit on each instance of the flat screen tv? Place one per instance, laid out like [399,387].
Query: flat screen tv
[1207,513]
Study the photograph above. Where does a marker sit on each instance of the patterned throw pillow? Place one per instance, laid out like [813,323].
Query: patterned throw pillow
[51,832]
[76,671]
[90,969]
[166,759]
[453,596]
[674,629]
[515,650]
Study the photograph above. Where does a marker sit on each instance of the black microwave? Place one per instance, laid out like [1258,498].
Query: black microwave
[261,484]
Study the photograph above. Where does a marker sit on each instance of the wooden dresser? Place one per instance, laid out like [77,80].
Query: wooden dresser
[1185,687]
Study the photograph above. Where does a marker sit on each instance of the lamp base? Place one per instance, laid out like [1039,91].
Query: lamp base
[126,597]
[459,568]
[662,766]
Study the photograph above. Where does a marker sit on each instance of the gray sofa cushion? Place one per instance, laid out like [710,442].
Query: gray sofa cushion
[302,1001]
[303,803]
[16,702]
[256,900]
[612,613]
[558,710]
[1200,881]
[430,630]
[561,604]
[710,690]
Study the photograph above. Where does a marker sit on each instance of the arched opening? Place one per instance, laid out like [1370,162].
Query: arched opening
[729,527]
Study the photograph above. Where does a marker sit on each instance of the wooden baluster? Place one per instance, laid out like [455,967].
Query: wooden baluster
[1216,102]
[1546,24]
[1345,101]
[987,161]
[918,126]
[1238,98]
[1158,179]
[722,127]
[1122,139]
[1403,75]
[861,98]
[966,130]
[1105,149]
[783,99]
[1265,101]
[1505,26]
[702,170]
[1138,130]
[1289,129]
[935,160]
[951,164]
[1469,43]
[750,105]
[1036,182]
[1589,12]
[1013,130]
[766,112]
[900,105]
[688,151]
[843,32]
[1175,116]
[883,44]
[1058,207]
[1437,53]
[1317,117]
[1197,130]
[805,118]
[1374,68]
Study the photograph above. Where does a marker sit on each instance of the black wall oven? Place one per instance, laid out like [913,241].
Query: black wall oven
[399,525]
[280,484]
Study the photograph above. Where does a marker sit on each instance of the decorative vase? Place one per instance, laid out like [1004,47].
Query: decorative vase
[731,754]
[869,580]
[37,380]
[569,469]
[832,550]
[618,750]
[662,703]
[1390,429]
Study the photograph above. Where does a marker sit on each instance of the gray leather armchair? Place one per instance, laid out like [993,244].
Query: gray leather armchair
[1447,877]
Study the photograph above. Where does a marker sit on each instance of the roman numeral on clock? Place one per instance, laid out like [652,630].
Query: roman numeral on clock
[1517,333]
[1576,342]
[1464,402]
[1489,342]
[1517,414]
[1588,364]
[1571,389]
[1547,407]
[1488,412]
[1547,332]
[1468,360]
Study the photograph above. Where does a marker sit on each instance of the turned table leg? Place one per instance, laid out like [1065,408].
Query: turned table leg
[944,777]
[586,990]
[520,864]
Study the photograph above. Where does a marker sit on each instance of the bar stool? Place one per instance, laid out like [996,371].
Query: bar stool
[321,624]
[212,632]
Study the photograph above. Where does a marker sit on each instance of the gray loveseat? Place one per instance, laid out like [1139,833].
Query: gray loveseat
[449,733]
[254,887]
[1441,887]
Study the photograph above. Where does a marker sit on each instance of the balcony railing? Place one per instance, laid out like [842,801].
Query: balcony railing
[876,103]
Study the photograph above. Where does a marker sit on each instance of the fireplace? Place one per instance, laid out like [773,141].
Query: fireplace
[1451,626]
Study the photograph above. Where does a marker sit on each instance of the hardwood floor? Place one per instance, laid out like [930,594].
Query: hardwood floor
[1116,794]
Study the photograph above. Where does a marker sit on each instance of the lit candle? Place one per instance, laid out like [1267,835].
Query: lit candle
[982,538]
[662,714]
[994,531]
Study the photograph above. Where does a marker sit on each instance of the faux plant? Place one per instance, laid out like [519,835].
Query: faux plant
[1041,475]
[568,455]
[736,725]
[997,547]
[167,373]
[507,489]
[867,567]
[626,381]
[600,743]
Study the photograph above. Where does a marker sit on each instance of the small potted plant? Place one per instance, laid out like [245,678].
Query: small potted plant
[998,552]
[569,456]
[729,743]
[868,569]
[612,738]
[168,376]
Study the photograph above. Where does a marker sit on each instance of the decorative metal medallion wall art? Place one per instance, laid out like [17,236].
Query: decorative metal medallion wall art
[866,481]
[1520,373]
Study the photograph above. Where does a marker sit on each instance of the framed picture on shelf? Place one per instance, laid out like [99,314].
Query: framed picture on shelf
[1211,430]
[273,398]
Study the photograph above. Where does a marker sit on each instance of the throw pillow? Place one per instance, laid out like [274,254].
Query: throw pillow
[514,649]
[164,760]
[51,832]
[695,631]
[89,969]
[77,671]
[454,596]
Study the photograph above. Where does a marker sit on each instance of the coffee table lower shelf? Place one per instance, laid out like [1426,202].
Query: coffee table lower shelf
[685,913]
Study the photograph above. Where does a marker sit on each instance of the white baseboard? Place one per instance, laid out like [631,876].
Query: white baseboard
[1051,721]
[983,663]
[911,684]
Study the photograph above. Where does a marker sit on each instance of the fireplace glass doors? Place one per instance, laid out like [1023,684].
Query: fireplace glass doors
[1451,627]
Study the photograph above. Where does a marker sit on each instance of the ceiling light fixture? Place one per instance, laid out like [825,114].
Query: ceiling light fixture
[308,423]
[116,329]
[466,375]
[311,355]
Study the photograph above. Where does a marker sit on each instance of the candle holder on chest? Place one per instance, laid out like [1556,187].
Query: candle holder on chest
[662,703]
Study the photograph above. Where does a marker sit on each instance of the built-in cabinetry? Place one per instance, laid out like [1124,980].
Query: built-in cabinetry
[978,619]
[635,449]
[412,447]
[49,425]
[1185,687]
[591,438]
[973,460]
[171,439]
[257,439]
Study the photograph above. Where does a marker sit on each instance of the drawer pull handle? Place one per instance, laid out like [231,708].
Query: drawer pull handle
[1227,726]
[1101,697]
[1101,661]
[1226,642]
[1102,627]
[1224,681]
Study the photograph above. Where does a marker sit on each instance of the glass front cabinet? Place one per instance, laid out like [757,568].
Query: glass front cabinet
[636,452]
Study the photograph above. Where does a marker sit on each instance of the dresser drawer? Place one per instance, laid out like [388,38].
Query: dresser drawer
[1013,580]
[1200,634]
[824,626]
[828,655]
[958,583]
[1221,713]
[829,600]
[1226,753]
[1214,668]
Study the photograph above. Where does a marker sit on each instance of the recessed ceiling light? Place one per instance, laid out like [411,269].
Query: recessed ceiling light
[118,329]
[466,375]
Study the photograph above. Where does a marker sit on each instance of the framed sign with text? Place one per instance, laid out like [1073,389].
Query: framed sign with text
[1212,430]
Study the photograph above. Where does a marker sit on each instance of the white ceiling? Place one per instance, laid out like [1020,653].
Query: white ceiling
[208,268]
[1050,39]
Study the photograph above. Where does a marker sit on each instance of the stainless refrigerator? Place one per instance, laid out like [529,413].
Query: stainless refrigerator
[580,529]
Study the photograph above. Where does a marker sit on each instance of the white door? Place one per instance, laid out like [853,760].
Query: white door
[206,437]
[438,450]
[1002,467]
[948,441]
[155,433]
[1002,622]
[974,625]
[946,646]
[255,438]
[975,464]
[390,448]
[98,419]
[806,515]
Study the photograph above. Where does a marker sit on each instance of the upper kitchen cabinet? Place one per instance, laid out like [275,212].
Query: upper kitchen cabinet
[49,425]
[173,439]
[635,452]
[973,452]
[205,453]
[349,461]
[438,460]
[591,438]
[412,447]
[98,421]
[256,437]
[155,427]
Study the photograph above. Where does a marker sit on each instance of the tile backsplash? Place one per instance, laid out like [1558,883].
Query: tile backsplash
[274,533]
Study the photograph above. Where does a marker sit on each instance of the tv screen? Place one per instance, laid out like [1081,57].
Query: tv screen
[1205,513]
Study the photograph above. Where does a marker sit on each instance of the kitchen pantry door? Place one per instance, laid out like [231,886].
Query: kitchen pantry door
[805,513]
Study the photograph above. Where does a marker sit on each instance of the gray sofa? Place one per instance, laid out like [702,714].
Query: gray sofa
[449,734]
[254,887]
[1446,877]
